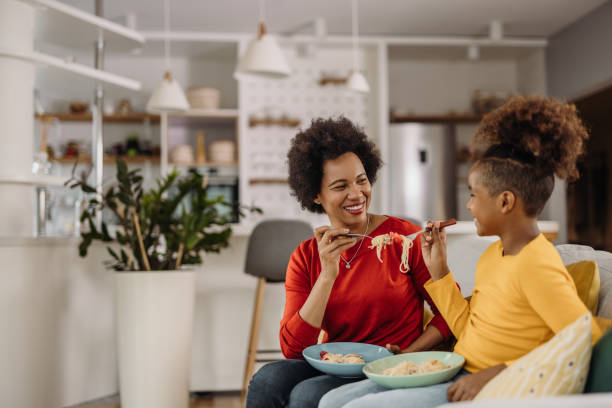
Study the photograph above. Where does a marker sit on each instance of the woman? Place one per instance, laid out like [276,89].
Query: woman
[337,283]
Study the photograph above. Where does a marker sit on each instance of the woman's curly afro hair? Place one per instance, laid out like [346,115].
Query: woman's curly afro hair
[326,139]
[547,132]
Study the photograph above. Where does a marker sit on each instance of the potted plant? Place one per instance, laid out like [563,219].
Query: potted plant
[161,231]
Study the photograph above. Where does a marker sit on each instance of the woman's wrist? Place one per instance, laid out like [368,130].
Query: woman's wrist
[329,273]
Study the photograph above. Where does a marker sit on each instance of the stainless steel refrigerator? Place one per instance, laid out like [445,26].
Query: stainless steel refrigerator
[423,171]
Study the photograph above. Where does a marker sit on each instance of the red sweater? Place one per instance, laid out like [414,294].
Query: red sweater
[371,302]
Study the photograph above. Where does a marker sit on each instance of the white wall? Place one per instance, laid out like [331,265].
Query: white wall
[57,324]
[578,58]
[439,86]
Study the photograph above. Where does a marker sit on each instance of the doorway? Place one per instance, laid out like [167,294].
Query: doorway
[589,205]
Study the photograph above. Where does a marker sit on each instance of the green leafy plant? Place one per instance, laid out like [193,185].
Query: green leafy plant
[161,229]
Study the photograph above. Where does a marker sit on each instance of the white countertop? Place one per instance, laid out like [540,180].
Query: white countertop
[468,227]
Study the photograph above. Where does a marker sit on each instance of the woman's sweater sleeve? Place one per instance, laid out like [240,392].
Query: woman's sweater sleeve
[421,275]
[295,334]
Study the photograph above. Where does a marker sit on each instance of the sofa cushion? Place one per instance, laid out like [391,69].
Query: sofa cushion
[600,373]
[557,367]
[586,278]
[573,253]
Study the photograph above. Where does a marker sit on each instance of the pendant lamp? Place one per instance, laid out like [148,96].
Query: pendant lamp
[356,81]
[263,56]
[168,96]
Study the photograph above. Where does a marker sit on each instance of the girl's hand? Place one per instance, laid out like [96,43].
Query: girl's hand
[468,386]
[331,244]
[393,348]
[433,247]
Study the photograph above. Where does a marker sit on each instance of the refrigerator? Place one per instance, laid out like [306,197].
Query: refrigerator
[422,170]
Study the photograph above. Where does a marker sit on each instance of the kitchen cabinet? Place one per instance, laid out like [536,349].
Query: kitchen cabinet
[42,23]
[56,358]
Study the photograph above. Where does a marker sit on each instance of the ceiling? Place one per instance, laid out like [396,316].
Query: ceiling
[525,18]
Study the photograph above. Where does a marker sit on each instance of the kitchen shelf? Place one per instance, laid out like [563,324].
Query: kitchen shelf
[268,181]
[206,164]
[207,113]
[87,117]
[62,24]
[108,159]
[33,180]
[449,118]
[95,75]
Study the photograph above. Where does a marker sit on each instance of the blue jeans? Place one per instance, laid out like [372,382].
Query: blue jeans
[290,383]
[367,393]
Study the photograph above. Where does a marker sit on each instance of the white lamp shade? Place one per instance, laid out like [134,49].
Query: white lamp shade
[357,82]
[263,57]
[168,96]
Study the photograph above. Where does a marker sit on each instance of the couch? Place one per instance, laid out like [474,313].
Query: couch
[569,254]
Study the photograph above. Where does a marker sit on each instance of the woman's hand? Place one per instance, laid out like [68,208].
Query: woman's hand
[433,247]
[468,386]
[331,244]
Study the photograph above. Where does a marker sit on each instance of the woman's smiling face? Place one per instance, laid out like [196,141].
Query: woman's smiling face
[345,191]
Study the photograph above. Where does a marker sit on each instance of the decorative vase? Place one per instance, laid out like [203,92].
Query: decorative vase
[154,336]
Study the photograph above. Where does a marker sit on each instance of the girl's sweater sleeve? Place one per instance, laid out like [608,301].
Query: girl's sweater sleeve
[421,275]
[447,296]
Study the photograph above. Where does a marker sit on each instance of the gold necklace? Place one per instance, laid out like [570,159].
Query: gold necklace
[348,263]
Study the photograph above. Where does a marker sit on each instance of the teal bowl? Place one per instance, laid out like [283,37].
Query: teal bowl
[369,352]
[374,369]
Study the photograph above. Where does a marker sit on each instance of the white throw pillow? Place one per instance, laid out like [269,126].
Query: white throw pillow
[557,367]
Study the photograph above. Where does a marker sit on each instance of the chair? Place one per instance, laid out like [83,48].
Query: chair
[270,246]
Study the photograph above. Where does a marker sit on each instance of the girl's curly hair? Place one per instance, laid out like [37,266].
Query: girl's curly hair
[326,139]
[526,142]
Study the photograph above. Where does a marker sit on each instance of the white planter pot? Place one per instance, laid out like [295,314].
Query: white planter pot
[154,329]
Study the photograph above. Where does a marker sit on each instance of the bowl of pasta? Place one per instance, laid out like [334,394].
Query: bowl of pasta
[414,369]
[343,359]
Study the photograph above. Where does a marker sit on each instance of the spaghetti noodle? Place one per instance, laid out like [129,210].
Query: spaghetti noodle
[350,358]
[410,368]
[380,241]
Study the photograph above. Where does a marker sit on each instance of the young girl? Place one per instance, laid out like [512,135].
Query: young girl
[523,294]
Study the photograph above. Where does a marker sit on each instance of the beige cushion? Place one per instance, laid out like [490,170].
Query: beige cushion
[586,278]
[572,253]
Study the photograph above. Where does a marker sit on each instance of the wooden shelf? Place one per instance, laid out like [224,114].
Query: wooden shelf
[450,118]
[61,24]
[264,180]
[207,113]
[87,117]
[108,159]
[206,164]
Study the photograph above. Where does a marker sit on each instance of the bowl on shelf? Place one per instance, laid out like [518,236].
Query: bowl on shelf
[202,97]
[222,151]
[182,154]
[78,107]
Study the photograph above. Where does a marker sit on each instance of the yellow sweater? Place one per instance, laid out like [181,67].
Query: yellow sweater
[519,302]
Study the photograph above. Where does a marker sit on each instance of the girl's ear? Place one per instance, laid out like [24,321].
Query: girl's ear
[317,200]
[507,201]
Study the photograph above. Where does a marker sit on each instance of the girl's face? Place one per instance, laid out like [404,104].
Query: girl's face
[345,191]
[483,207]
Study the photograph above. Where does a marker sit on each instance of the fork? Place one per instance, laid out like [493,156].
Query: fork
[412,236]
